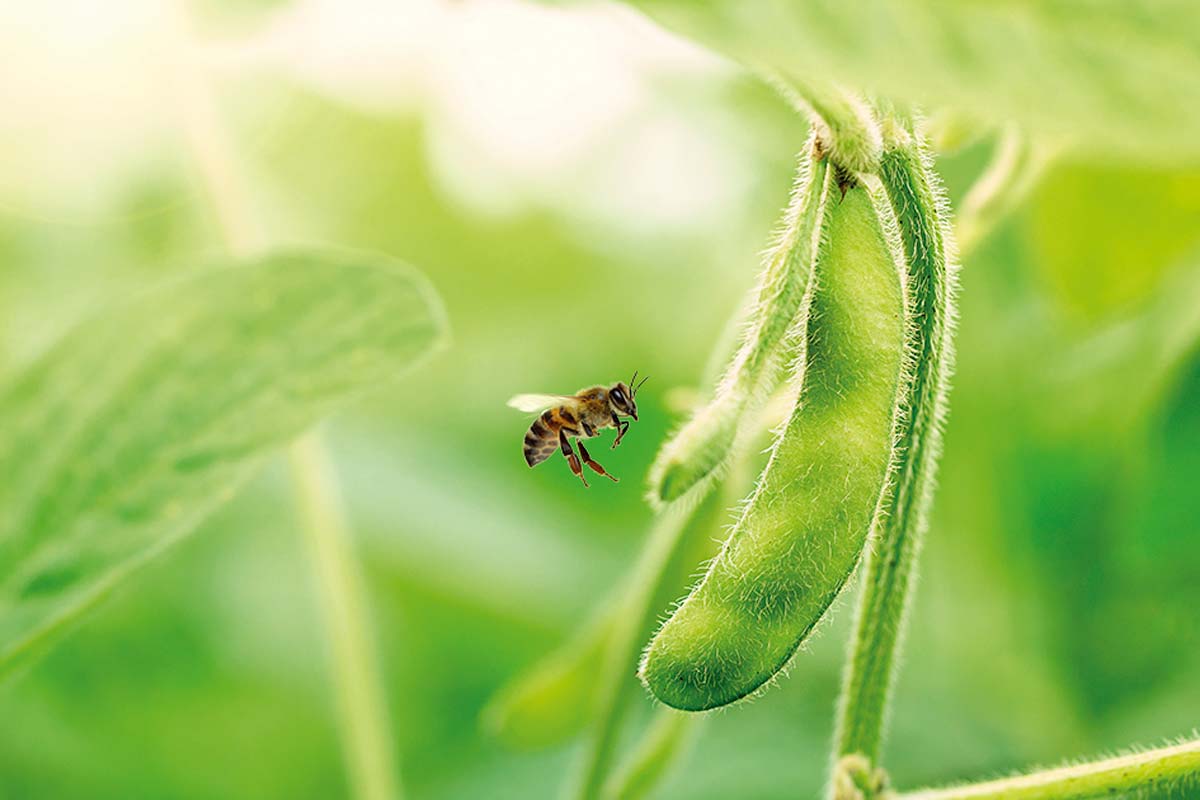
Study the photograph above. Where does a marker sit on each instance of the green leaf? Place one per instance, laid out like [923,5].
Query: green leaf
[143,419]
[1125,77]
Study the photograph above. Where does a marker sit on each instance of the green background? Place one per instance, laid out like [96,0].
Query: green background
[1056,612]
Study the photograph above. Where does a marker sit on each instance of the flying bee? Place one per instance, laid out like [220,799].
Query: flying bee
[581,415]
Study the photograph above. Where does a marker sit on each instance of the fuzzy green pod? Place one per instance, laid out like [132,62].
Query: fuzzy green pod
[802,531]
[700,450]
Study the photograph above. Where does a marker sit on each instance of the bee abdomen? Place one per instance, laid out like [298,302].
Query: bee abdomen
[540,440]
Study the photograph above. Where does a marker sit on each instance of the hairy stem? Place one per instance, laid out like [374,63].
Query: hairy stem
[921,214]
[364,727]
[1165,770]
[844,124]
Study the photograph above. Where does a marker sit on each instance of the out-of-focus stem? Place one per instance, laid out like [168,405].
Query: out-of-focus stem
[361,701]
[1017,165]
[617,677]
[660,749]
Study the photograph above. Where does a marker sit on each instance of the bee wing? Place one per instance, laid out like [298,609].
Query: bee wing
[533,403]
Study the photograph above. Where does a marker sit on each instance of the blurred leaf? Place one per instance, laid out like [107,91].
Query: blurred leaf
[1112,381]
[1125,78]
[1105,510]
[137,424]
[1105,236]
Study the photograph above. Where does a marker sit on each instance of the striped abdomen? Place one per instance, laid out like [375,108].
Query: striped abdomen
[541,440]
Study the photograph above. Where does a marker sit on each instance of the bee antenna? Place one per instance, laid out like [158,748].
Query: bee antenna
[638,386]
[633,380]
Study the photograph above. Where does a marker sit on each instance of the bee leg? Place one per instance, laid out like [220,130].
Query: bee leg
[587,459]
[588,431]
[572,459]
[621,428]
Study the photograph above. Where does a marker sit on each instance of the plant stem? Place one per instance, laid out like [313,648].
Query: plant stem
[1165,769]
[845,126]
[618,674]
[921,212]
[360,697]
[362,708]
[662,745]
[1016,167]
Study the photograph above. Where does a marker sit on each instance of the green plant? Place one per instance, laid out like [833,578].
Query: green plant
[1061,572]
[795,544]
[922,215]
[174,400]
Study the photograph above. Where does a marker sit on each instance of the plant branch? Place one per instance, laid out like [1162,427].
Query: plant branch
[617,679]
[664,742]
[365,730]
[1017,165]
[1164,770]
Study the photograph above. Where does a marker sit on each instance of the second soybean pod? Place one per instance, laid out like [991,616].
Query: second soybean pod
[804,527]
[700,450]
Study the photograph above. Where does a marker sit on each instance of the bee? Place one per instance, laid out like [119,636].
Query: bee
[581,415]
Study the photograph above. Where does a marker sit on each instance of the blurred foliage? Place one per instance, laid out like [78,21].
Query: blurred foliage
[1109,78]
[1055,615]
[142,419]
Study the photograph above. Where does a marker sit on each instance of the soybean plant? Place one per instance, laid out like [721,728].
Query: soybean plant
[856,305]
[854,470]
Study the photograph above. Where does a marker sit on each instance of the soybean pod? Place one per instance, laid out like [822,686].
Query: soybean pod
[802,531]
[700,450]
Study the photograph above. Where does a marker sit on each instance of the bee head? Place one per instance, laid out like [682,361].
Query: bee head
[621,397]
